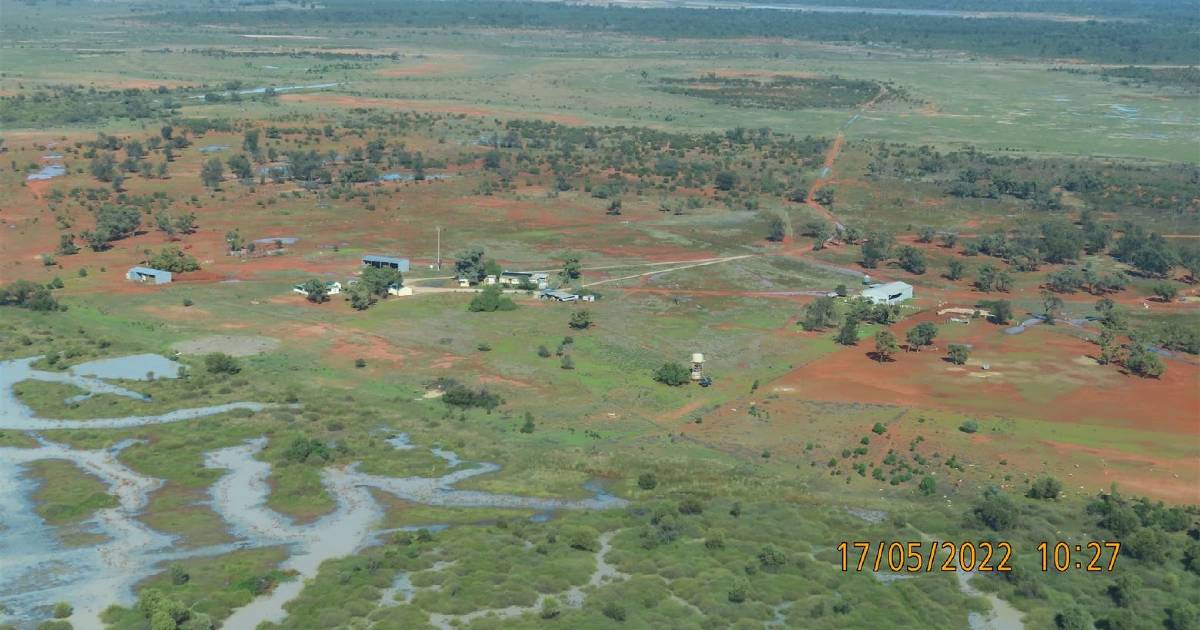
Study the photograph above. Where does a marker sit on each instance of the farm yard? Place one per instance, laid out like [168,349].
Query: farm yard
[940,293]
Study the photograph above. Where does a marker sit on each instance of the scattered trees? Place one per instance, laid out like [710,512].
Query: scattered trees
[1142,362]
[30,295]
[173,259]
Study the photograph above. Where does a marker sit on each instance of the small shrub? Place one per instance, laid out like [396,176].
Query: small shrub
[647,481]
[970,426]
[62,610]
[360,362]
[614,611]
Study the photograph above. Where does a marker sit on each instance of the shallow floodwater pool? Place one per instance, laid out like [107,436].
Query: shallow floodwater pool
[37,571]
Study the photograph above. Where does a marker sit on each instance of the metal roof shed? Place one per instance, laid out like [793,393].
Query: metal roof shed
[148,275]
[374,260]
[890,293]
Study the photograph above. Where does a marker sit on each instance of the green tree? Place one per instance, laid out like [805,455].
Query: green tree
[469,264]
[360,297]
[1073,618]
[233,238]
[819,314]
[877,248]
[240,166]
[1044,488]
[173,259]
[1051,306]
[848,335]
[996,510]
[647,481]
[672,374]
[572,268]
[1165,291]
[776,229]
[221,363]
[920,335]
[1143,363]
[955,269]
[376,280]
[928,486]
[491,300]
[959,353]
[212,173]
[66,244]
[163,222]
[315,291]
[580,319]
[726,180]
[911,259]
[999,311]
[885,345]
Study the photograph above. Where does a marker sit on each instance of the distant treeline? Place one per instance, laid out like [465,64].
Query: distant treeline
[778,92]
[1161,34]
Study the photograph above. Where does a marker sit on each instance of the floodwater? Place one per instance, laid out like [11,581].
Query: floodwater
[49,171]
[1003,615]
[37,571]
[408,177]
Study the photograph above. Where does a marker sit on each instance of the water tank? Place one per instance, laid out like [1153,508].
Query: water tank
[697,357]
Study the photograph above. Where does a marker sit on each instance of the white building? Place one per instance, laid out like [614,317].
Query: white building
[332,288]
[890,293]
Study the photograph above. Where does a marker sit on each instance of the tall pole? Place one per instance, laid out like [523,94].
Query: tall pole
[439,248]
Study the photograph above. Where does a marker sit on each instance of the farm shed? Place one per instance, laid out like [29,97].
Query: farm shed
[148,276]
[890,293]
[400,264]
[558,296]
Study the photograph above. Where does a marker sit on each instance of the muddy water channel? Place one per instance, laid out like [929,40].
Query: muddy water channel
[37,571]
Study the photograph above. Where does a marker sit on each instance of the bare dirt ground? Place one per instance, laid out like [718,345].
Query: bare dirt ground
[233,345]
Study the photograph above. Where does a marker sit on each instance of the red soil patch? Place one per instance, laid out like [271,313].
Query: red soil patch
[424,69]
[921,379]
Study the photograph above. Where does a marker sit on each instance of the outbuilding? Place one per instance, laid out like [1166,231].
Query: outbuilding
[558,296]
[331,288]
[146,275]
[373,260]
[539,279]
[889,293]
